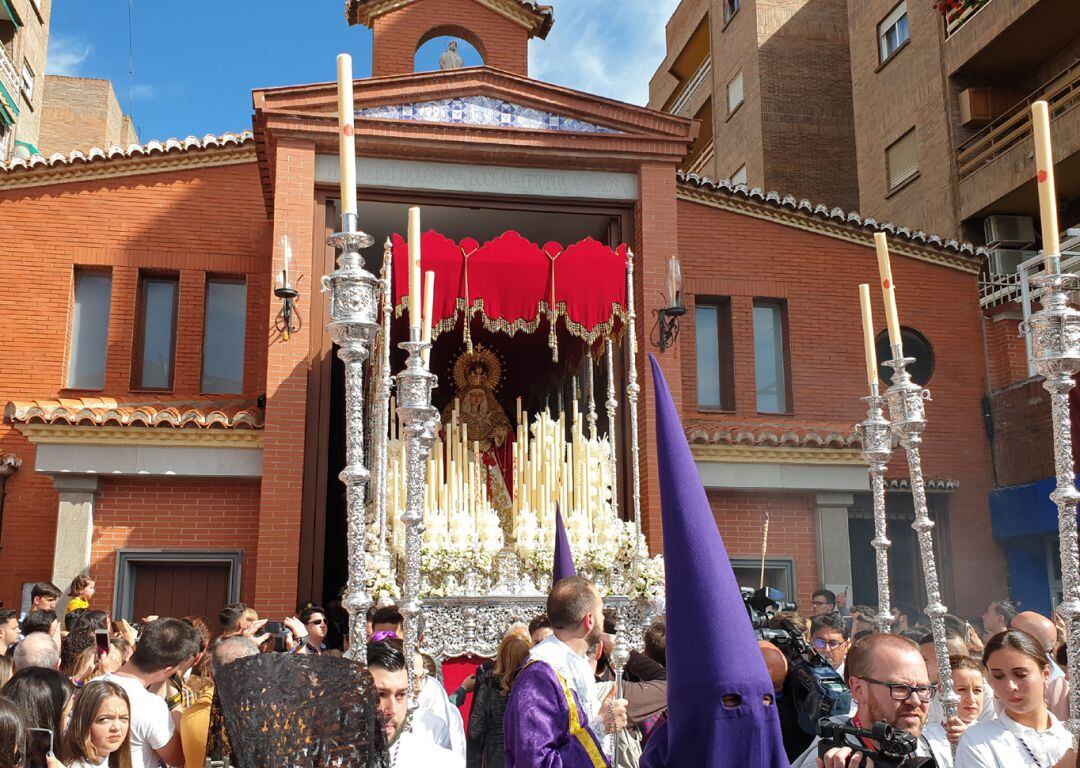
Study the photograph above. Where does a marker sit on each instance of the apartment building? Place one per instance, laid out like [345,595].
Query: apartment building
[24,41]
[769,80]
[79,113]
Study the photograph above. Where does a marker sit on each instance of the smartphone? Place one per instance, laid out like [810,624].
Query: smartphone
[274,628]
[41,741]
[101,637]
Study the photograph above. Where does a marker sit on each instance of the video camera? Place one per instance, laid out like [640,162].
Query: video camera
[814,687]
[896,748]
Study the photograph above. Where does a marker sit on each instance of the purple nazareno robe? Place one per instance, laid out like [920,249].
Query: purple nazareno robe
[545,725]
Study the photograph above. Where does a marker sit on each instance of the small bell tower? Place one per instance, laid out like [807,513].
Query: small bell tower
[500,30]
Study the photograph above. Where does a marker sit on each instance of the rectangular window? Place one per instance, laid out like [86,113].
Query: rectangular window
[770,356]
[155,341]
[223,337]
[89,341]
[715,367]
[27,82]
[734,93]
[893,32]
[902,159]
[739,177]
[730,8]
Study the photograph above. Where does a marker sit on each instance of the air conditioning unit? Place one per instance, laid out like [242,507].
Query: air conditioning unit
[1009,230]
[1006,261]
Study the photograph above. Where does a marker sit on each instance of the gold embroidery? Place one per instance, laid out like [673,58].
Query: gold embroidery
[577,730]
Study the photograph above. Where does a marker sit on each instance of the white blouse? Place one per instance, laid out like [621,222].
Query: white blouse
[1004,743]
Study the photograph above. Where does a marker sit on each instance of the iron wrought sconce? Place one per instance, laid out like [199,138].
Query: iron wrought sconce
[666,330]
[8,465]
[288,319]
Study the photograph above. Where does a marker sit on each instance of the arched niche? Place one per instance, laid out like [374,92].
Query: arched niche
[432,43]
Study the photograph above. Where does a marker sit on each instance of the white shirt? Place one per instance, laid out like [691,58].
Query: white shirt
[577,673]
[1000,744]
[151,726]
[413,751]
[931,744]
[88,764]
[437,720]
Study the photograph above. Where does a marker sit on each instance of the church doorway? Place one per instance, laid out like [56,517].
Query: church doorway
[529,371]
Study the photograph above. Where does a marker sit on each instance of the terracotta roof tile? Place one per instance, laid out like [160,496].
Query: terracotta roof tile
[149,149]
[104,412]
[791,435]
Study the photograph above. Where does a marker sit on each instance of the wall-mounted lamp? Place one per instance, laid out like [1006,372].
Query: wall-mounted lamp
[666,331]
[288,319]
[8,465]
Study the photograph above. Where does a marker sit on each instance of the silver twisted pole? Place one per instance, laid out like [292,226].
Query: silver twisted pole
[1055,353]
[353,308]
[876,450]
[420,422]
[620,655]
[590,394]
[908,415]
[632,391]
[612,405]
[386,381]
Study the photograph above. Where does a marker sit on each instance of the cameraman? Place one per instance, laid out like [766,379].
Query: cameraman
[881,669]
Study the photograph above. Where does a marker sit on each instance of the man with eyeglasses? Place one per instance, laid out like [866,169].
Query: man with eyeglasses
[827,637]
[822,602]
[314,620]
[889,683]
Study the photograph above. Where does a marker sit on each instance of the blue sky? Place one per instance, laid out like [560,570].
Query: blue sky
[195,63]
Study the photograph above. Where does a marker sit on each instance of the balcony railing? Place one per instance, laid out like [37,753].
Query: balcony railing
[8,74]
[703,159]
[1062,93]
[682,103]
[956,19]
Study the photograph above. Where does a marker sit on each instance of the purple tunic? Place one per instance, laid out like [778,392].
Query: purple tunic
[545,725]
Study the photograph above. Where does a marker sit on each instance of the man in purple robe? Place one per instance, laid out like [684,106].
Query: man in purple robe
[553,719]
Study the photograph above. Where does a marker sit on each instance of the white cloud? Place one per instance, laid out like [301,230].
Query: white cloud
[67,55]
[595,48]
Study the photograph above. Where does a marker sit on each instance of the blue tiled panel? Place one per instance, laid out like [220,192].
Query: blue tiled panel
[485,111]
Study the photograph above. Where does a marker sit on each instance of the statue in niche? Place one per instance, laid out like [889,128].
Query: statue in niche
[450,58]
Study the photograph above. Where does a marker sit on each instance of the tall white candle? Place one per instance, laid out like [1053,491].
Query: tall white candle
[414,268]
[346,133]
[429,304]
[868,335]
[1044,170]
[888,292]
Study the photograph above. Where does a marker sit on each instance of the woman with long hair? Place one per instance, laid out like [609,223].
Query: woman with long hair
[484,739]
[1025,734]
[12,735]
[99,733]
[43,697]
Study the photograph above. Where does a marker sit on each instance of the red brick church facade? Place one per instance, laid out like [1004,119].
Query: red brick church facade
[172,490]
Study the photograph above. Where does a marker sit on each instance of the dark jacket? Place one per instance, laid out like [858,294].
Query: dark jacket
[484,736]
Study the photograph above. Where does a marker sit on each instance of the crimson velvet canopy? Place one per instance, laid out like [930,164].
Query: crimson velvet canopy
[513,285]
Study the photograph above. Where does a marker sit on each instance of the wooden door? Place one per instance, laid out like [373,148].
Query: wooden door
[180,589]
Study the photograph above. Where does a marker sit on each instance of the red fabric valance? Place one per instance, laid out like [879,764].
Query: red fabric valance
[514,285]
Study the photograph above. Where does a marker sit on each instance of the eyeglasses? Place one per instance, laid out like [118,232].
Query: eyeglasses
[318,622]
[819,603]
[902,692]
[832,645]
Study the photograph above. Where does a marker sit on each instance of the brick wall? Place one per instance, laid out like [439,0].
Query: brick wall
[501,43]
[907,91]
[738,138]
[727,254]
[31,45]
[79,113]
[209,220]
[1023,434]
[152,513]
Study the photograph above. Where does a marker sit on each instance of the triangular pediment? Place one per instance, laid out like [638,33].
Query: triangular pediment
[478,98]
[482,111]
[531,15]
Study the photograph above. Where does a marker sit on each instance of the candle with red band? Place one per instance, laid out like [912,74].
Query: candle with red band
[888,293]
[1044,176]
[346,141]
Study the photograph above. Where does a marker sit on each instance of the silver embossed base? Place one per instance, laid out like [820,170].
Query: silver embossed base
[474,626]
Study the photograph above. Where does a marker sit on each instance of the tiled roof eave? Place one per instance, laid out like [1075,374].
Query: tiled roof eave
[103,412]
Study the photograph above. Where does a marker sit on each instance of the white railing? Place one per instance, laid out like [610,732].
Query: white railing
[8,74]
[687,94]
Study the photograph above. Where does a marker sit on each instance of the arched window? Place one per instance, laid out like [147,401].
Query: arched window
[431,52]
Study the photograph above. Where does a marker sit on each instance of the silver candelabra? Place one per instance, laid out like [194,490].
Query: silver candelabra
[620,655]
[354,302]
[908,416]
[876,451]
[1055,353]
[420,422]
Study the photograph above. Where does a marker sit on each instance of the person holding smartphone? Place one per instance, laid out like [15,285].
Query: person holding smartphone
[43,696]
[99,734]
